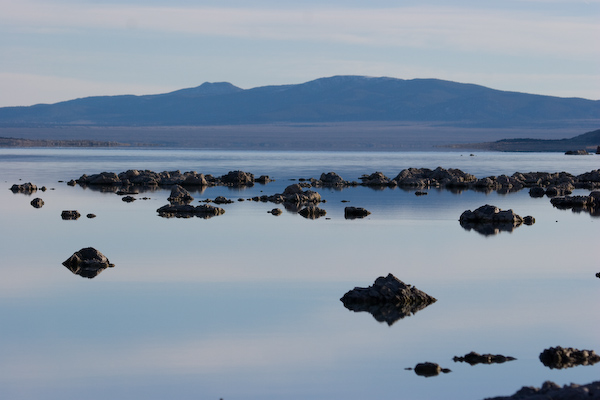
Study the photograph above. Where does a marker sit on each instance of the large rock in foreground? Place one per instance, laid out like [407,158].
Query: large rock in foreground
[87,262]
[388,299]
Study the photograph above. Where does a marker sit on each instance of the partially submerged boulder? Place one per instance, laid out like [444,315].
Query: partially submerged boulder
[24,188]
[312,212]
[179,195]
[37,202]
[590,203]
[70,214]
[490,220]
[87,262]
[568,357]
[474,358]
[388,299]
[429,369]
[187,211]
[355,212]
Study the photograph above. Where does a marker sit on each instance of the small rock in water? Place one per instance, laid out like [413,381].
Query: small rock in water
[87,262]
[37,202]
[70,214]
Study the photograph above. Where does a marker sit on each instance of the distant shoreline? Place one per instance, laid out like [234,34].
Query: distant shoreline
[20,142]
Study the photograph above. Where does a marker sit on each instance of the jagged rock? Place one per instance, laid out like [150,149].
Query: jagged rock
[490,220]
[559,357]
[187,211]
[238,178]
[179,195]
[388,299]
[70,214]
[24,188]
[355,212]
[87,262]
[552,391]
[312,212]
[377,179]
[193,178]
[424,177]
[37,202]
[474,358]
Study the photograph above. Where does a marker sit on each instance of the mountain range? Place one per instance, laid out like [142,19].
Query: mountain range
[338,99]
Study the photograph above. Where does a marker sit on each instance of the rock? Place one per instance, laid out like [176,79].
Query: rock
[528,220]
[424,177]
[560,358]
[598,275]
[577,152]
[222,200]
[294,195]
[377,179]
[276,211]
[474,358]
[37,202]
[24,188]
[91,215]
[537,191]
[552,391]
[179,195]
[312,212]
[355,212]
[332,179]
[187,211]
[589,203]
[70,214]
[128,199]
[87,262]
[238,178]
[429,369]
[490,220]
[388,299]
[420,193]
[193,178]
[263,179]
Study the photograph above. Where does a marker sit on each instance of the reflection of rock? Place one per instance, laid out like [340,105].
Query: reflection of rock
[87,262]
[24,188]
[490,220]
[474,358]
[312,212]
[355,212]
[187,211]
[179,195]
[552,391]
[37,202]
[388,300]
[70,214]
[428,369]
[559,357]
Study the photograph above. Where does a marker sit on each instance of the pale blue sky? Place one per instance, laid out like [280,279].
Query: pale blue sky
[54,50]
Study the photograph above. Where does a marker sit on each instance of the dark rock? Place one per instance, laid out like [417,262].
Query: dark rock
[528,220]
[187,211]
[179,195]
[560,358]
[24,188]
[420,193]
[87,262]
[332,179]
[424,177]
[537,191]
[193,178]
[552,391]
[312,212]
[355,212]
[91,215]
[263,179]
[577,152]
[238,178]
[37,202]
[429,369]
[70,214]
[128,199]
[388,299]
[589,203]
[490,220]
[276,211]
[222,200]
[377,179]
[598,275]
[474,358]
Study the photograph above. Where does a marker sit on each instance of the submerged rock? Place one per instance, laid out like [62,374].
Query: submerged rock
[388,299]
[560,358]
[474,358]
[87,262]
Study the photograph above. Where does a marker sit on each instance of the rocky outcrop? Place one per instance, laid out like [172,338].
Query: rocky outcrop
[24,188]
[355,212]
[581,152]
[388,299]
[312,212]
[474,358]
[552,391]
[332,179]
[187,211]
[560,358]
[37,202]
[87,262]
[238,178]
[179,195]
[590,203]
[490,220]
[425,177]
[377,179]
[293,195]
[70,214]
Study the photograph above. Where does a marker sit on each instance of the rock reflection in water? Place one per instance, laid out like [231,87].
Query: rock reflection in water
[490,220]
[87,263]
[388,299]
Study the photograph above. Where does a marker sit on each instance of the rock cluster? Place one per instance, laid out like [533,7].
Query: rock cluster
[24,188]
[388,299]
[187,211]
[490,220]
[559,357]
[551,390]
[474,358]
[590,203]
[87,262]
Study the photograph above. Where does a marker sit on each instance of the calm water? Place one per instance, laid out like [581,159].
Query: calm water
[246,305]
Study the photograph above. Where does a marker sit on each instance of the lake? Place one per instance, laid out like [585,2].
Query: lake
[247,305]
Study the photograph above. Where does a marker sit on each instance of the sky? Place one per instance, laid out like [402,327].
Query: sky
[56,50]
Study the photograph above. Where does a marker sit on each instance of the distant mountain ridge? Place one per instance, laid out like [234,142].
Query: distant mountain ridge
[324,100]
